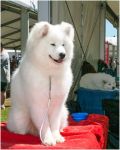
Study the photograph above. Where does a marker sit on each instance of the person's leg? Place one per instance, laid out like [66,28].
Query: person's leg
[3,97]
[3,94]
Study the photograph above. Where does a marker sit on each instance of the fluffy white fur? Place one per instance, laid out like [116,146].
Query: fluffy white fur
[30,83]
[100,81]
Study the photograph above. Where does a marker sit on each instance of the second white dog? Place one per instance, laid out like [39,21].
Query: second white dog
[48,54]
[100,81]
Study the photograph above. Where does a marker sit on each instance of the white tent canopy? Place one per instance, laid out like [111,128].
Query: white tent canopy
[114,5]
[11,14]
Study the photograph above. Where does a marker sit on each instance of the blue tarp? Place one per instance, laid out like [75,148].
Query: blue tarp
[90,101]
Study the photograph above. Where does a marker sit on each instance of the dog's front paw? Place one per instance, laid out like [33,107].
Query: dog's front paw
[49,141]
[59,138]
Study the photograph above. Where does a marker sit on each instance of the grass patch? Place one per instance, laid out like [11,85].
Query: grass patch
[4,114]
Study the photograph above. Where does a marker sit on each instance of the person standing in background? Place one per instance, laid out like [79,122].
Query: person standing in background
[13,63]
[5,74]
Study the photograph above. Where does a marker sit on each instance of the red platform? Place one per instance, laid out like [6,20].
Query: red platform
[88,134]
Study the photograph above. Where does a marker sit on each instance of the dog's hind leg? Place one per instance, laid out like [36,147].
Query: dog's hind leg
[32,129]
[18,121]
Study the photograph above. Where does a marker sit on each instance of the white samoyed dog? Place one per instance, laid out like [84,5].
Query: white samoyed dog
[100,81]
[48,56]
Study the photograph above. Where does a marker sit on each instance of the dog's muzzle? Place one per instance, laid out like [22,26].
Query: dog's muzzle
[61,58]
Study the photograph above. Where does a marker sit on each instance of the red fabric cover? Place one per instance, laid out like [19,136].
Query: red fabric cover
[88,134]
[95,119]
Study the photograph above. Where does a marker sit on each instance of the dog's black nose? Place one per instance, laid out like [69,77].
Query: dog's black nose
[62,55]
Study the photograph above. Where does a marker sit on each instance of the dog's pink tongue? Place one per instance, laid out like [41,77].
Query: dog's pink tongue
[59,61]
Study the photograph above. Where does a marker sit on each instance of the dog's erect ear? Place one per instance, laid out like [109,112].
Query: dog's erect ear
[42,28]
[45,30]
[68,29]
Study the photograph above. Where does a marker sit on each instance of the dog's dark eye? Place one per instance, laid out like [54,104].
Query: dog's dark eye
[52,44]
[63,44]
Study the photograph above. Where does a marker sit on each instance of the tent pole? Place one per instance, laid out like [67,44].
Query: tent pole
[118,51]
[102,32]
[44,12]
[24,28]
